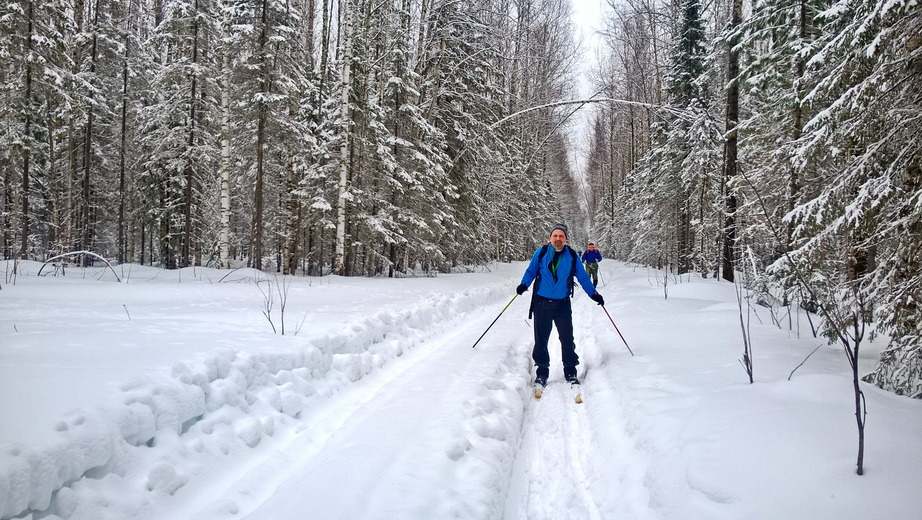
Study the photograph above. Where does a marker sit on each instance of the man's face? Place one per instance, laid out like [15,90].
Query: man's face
[558,240]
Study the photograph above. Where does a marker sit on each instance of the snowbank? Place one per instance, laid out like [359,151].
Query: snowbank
[229,400]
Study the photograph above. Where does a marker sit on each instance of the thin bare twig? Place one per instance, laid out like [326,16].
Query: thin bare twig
[804,361]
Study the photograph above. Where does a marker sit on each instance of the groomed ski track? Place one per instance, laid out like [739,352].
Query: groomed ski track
[467,415]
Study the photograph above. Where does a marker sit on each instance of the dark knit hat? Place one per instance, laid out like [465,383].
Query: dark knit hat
[563,228]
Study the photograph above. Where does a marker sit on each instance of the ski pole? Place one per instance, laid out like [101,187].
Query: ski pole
[618,331]
[494,321]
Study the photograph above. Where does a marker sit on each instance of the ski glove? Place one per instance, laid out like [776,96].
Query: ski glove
[596,297]
[521,289]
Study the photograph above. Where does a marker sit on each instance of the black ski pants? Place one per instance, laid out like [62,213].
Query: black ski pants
[549,312]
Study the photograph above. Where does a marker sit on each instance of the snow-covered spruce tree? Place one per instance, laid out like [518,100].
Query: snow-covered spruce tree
[306,152]
[460,95]
[776,39]
[419,149]
[29,34]
[856,234]
[317,163]
[178,135]
[94,48]
[318,179]
[683,189]
[17,50]
[676,195]
[634,72]
[58,117]
[868,72]
[400,211]
[268,82]
[125,128]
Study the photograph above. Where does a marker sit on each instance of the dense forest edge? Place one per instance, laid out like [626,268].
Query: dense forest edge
[776,144]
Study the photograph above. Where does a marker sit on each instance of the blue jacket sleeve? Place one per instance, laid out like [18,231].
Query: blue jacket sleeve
[532,270]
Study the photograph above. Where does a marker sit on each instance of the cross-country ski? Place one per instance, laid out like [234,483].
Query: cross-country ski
[539,390]
[577,393]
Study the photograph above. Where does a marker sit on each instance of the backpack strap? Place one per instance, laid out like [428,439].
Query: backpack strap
[571,282]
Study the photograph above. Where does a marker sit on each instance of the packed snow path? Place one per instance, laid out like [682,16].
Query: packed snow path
[445,431]
[168,396]
[404,442]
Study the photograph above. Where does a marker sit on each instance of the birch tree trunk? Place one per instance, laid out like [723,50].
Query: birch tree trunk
[224,168]
[343,188]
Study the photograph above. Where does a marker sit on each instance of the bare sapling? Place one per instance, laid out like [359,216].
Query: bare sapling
[746,362]
[804,361]
[276,291]
[281,288]
[741,296]
[268,302]
[845,318]
[301,323]
[11,274]
[813,328]
[666,284]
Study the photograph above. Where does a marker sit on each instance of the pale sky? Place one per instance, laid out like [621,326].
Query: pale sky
[587,16]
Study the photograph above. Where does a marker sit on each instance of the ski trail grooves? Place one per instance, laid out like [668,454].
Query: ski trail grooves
[551,471]
[433,408]
[579,449]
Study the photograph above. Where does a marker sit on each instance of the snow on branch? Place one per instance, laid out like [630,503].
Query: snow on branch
[672,110]
[77,253]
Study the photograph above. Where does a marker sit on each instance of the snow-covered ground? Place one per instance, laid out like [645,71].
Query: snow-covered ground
[168,396]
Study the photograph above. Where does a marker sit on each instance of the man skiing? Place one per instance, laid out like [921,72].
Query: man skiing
[552,268]
[591,259]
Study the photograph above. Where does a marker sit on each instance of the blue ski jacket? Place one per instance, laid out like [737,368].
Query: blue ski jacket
[593,256]
[556,287]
